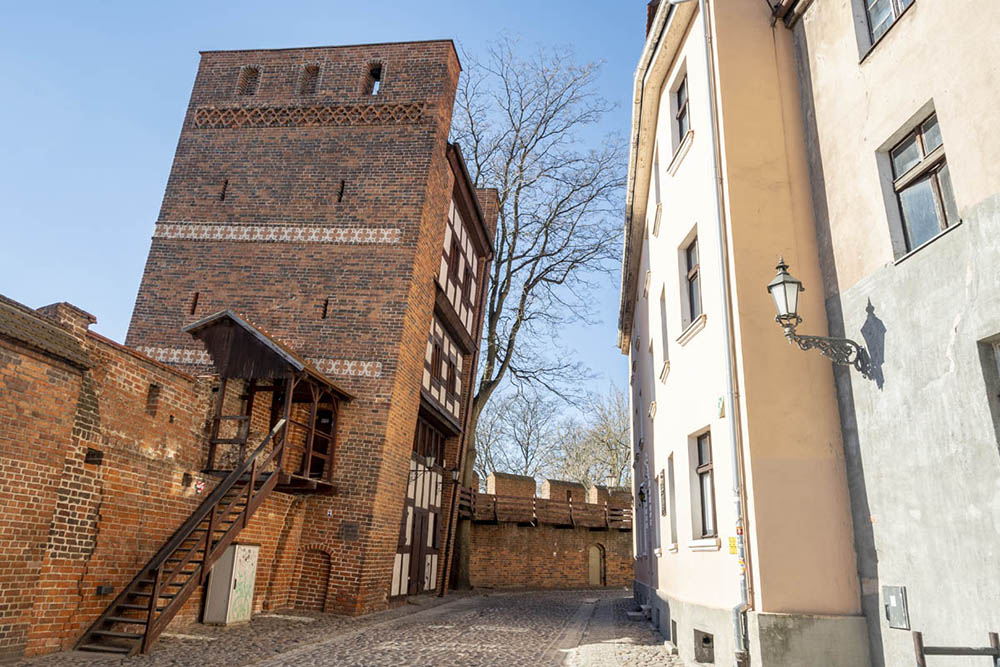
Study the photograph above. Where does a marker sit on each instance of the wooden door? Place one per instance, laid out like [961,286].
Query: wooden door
[418,553]
[595,570]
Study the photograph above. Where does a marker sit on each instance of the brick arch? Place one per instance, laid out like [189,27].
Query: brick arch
[314,577]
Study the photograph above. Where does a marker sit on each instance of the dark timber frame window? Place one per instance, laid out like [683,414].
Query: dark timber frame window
[681,115]
[922,184]
[454,259]
[467,285]
[693,269]
[882,14]
[436,361]
[706,485]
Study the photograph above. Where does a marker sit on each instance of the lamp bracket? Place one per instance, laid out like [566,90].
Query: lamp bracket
[842,351]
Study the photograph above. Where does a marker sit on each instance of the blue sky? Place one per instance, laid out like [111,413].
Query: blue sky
[95,92]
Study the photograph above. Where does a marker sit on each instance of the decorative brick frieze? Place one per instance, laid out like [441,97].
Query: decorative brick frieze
[189,231]
[193,357]
[308,116]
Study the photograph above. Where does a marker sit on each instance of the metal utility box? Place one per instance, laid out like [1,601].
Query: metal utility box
[230,586]
[896,611]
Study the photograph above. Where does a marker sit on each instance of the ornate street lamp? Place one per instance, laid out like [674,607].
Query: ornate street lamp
[784,289]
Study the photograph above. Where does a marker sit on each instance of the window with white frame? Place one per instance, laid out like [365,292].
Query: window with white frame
[672,510]
[704,491]
[692,277]
[922,184]
[682,121]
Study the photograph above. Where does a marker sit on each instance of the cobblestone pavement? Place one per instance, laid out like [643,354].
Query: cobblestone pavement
[575,628]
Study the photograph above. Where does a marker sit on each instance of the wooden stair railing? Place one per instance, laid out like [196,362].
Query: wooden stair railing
[133,621]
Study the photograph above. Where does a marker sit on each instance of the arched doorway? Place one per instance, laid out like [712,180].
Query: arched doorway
[314,579]
[596,570]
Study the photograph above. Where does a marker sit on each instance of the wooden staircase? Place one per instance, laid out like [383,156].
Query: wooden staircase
[135,618]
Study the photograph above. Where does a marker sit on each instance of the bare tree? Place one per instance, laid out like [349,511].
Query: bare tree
[597,451]
[517,434]
[521,124]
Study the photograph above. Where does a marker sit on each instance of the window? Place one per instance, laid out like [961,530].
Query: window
[194,303]
[436,361]
[468,284]
[249,77]
[340,191]
[672,513]
[454,259]
[326,308]
[223,189]
[663,330]
[682,121]
[922,184]
[452,383]
[882,14]
[663,493]
[310,77]
[706,485]
[693,268]
[373,80]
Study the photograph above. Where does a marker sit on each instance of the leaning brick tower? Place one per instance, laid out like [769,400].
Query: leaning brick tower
[312,191]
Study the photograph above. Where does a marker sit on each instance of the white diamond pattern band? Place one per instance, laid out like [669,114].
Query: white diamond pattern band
[277,233]
[180,355]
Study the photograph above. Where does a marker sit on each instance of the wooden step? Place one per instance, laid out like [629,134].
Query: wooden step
[146,594]
[116,634]
[128,605]
[105,648]
[124,619]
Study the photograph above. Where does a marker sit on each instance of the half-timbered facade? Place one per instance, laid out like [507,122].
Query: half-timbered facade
[448,372]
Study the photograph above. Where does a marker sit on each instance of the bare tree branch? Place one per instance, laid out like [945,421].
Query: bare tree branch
[521,122]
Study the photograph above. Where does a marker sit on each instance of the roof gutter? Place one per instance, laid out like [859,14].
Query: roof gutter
[658,28]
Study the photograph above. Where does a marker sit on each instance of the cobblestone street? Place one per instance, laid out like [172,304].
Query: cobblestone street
[575,628]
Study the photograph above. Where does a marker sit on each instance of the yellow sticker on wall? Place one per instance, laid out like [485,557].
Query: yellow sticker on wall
[732,545]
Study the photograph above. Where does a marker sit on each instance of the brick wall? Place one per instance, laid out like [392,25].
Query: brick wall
[507,555]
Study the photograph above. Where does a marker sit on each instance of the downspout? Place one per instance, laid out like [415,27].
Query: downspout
[739,611]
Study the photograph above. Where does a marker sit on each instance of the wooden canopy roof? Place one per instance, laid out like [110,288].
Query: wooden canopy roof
[240,349]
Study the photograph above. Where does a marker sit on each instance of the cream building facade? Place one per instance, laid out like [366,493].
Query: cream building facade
[744,542]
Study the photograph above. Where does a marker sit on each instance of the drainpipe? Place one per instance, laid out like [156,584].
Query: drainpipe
[739,611]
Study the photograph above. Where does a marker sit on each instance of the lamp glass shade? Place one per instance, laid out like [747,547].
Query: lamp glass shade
[784,289]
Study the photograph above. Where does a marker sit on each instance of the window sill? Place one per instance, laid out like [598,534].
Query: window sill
[658,551]
[929,241]
[864,56]
[666,371]
[672,548]
[705,544]
[682,150]
[692,329]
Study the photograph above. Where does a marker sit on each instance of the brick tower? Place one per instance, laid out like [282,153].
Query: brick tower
[315,192]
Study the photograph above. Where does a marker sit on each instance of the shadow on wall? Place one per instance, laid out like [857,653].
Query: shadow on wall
[873,331]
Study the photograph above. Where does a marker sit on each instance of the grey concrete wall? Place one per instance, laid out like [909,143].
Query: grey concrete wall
[921,438]
[790,640]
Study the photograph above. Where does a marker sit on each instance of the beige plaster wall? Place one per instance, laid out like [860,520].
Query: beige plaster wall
[859,107]
[802,542]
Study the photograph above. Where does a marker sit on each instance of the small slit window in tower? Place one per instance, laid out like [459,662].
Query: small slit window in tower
[374,79]
[340,192]
[326,307]
[310,76]
[152,399]
[222,191]
[249,77]
[194,303]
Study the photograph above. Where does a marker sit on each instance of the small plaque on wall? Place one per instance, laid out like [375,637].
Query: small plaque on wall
[350,531]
